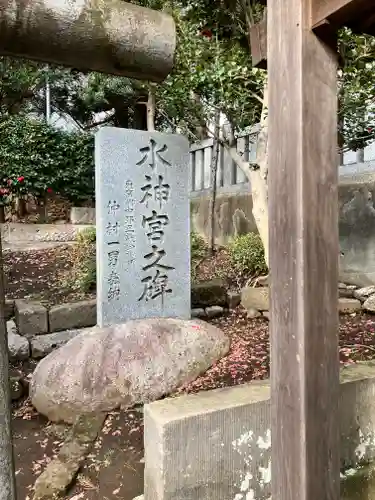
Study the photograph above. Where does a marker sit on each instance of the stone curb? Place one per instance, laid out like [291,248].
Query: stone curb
[210,299]
[351,300]
[60,473]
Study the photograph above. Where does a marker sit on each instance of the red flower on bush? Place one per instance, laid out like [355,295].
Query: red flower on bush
[207,33]
[49,190]
[9,182]
[370,130]
[21,178]
[4,191]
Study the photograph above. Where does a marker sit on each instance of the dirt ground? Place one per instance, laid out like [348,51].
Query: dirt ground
[114,469]
[40,274]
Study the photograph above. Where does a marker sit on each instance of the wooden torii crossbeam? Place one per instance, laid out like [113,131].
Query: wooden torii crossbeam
[327,16]
[304,250]
[98,35]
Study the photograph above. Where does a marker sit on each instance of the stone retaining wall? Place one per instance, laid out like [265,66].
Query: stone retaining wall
[19,233]
[35,330]
[351,299]
[234,216]
[216,445]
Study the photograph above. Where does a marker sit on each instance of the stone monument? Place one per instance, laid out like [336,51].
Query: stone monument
[142,224]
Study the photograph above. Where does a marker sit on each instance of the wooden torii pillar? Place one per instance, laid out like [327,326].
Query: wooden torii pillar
[97,35]
[304,250]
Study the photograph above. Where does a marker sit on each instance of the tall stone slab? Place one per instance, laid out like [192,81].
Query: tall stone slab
[142,224]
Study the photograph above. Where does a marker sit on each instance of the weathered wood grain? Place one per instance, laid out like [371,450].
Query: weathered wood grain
[258,44]
[112,37]
[327,16]
[303,165]
[340,12]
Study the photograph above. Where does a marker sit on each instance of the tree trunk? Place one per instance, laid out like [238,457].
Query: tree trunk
[201,129]
[151,109]
[258,175]
[214,165]
[259,178]
[139,118]
[21,207]
[7,475]
[2,214]
[42,209]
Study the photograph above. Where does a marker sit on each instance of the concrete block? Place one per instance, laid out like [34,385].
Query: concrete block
[18,346]
[9,309]
[216,445]
[82,215]
[198,313]
[346,293]
[349,306]
[253,313]
[255,298]
[70,316]
[214,311]
[42,345]
[31,318]
[209,293]
[234,300]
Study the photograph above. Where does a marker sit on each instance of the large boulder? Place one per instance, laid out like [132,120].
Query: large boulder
[122,365]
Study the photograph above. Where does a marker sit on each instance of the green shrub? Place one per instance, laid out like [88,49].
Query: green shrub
[198,247]
[246,253]
[87,277]
[83,273]
[87,236]
[47,159]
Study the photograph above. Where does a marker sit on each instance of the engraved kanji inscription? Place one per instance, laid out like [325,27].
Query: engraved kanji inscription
[155,225]
[147,190]
[129,223]
[129,239]
[113,286]
[129,201]
[113,257]
[112,230]
[113,207]
[153,152]
[129,205]
[156,256]
[129,188]
[160,192]
[155,287]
